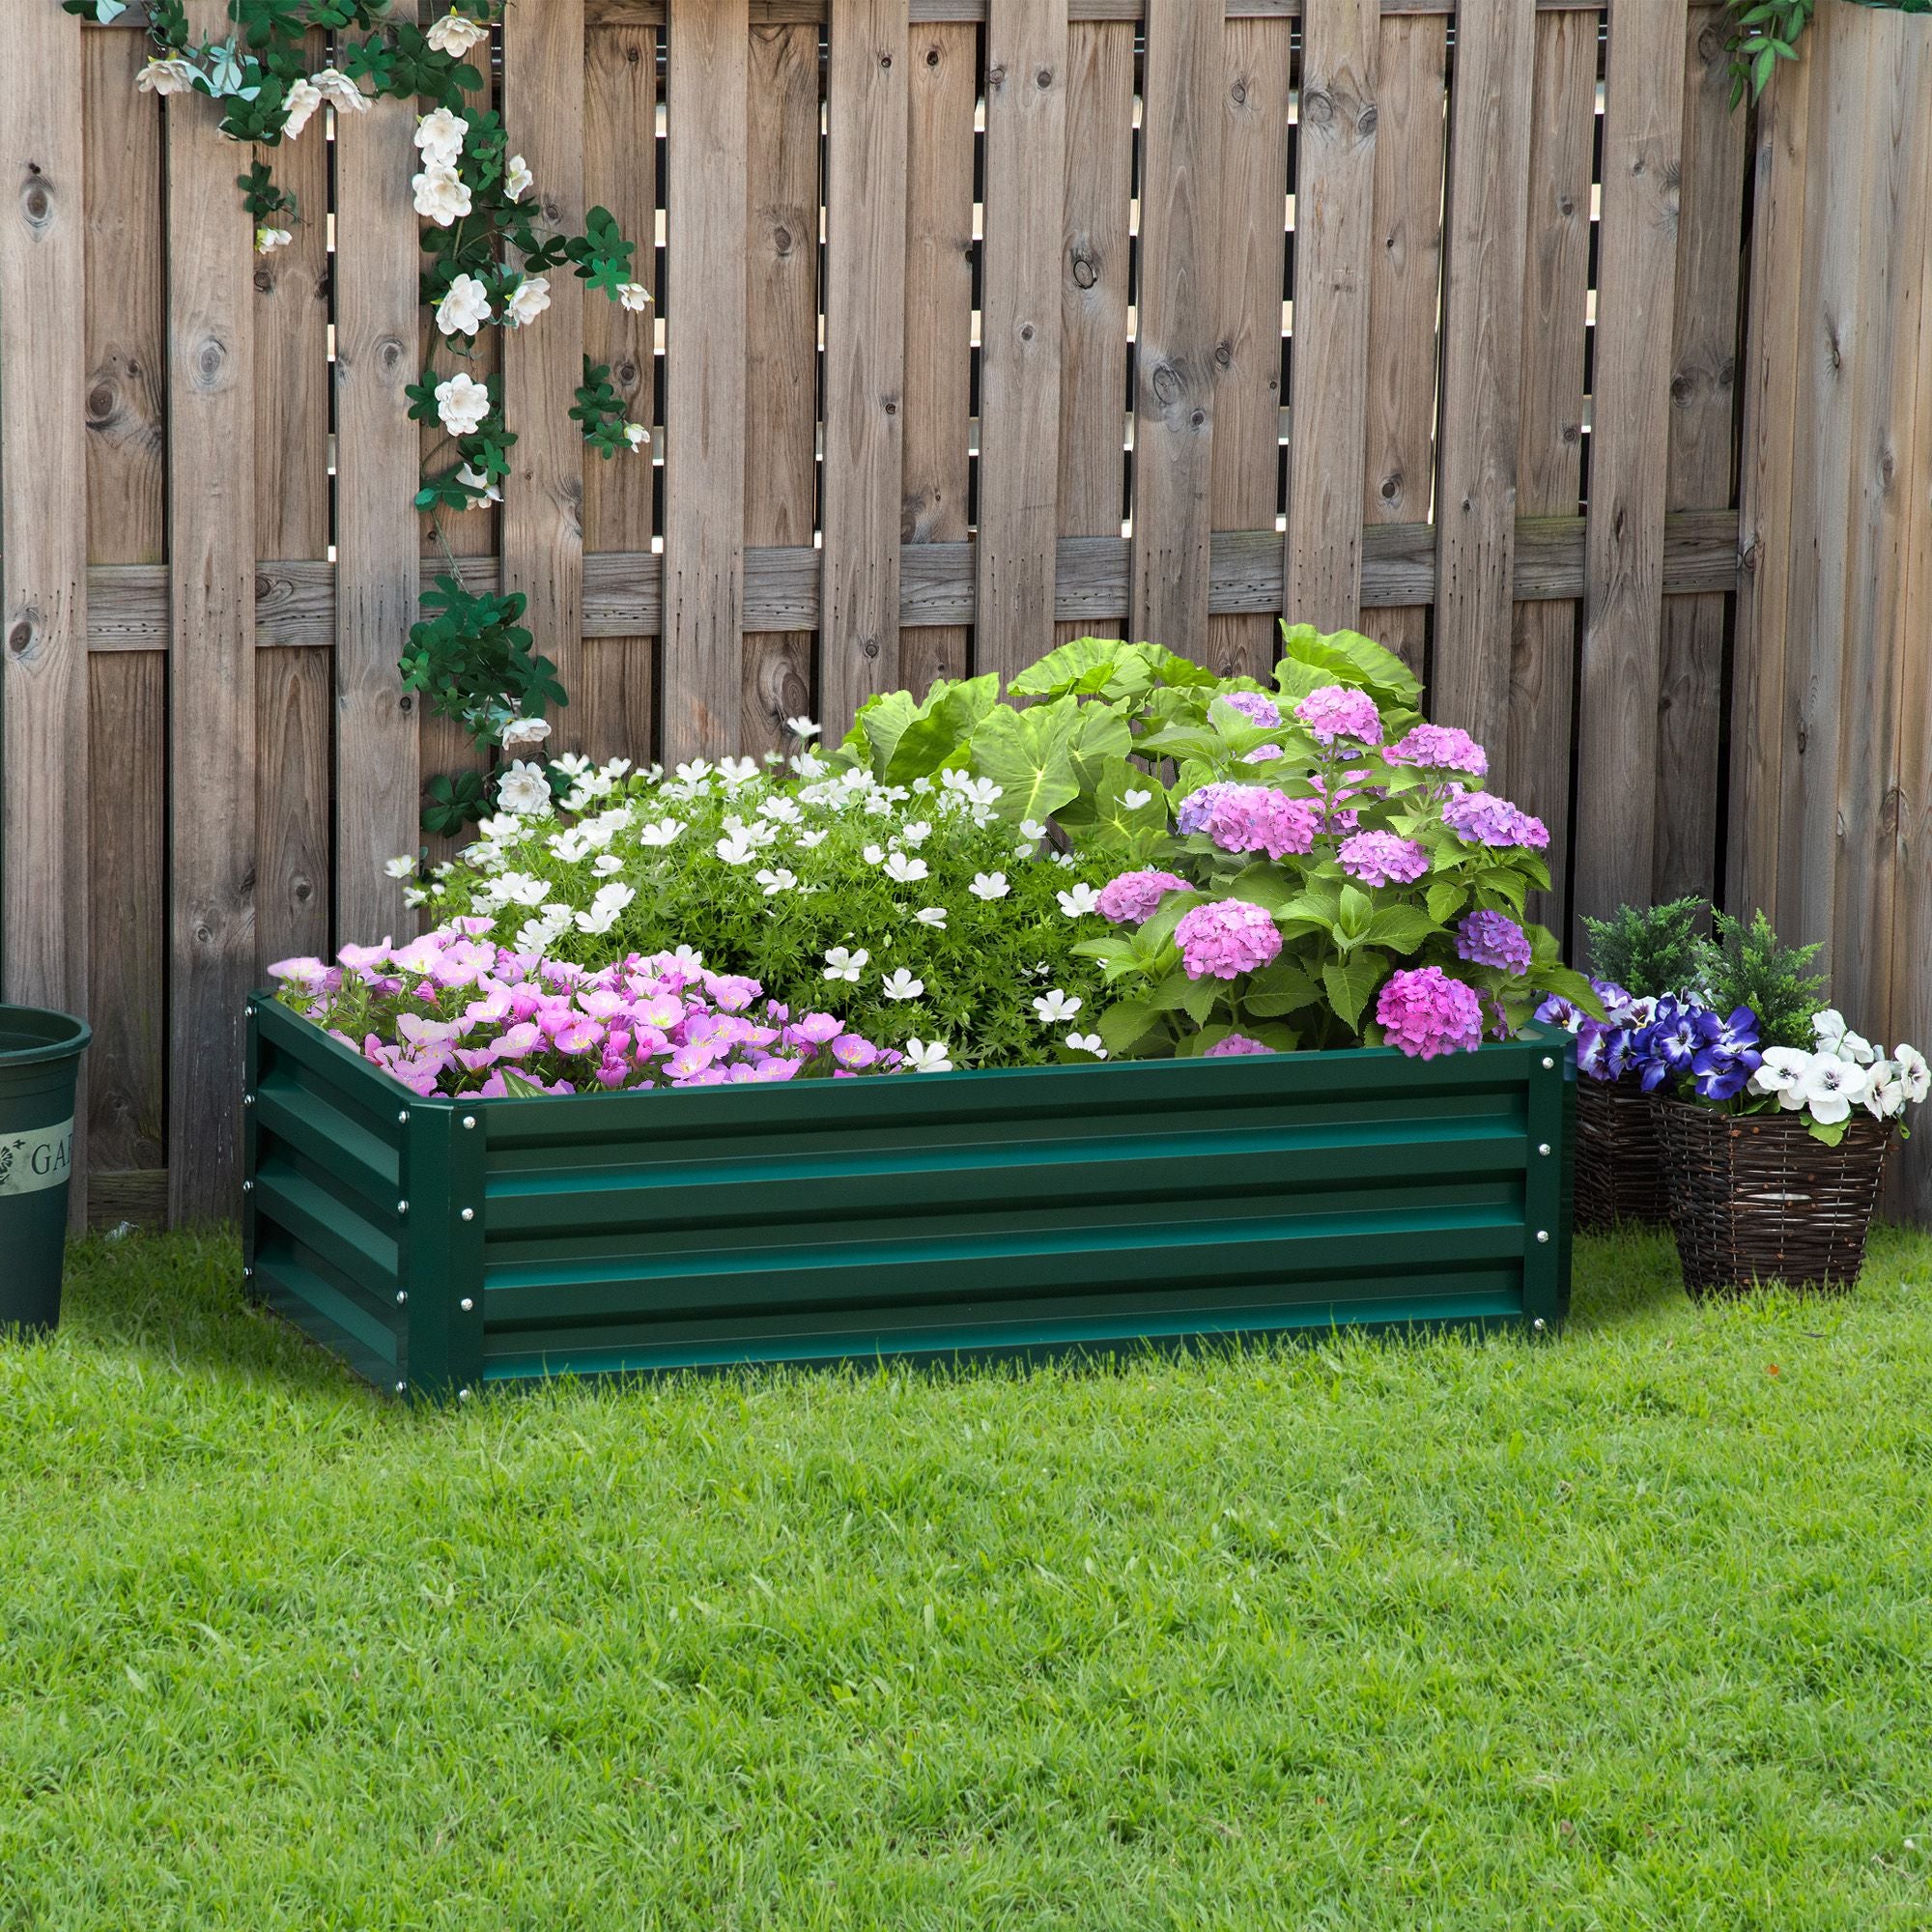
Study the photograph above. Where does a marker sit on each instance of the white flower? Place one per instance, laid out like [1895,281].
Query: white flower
[267,240]
[573,764]
[842,964]
[461,403]
[874,855]
[1032,828]
[907,872]
[990,886]
[1831,1088]
[442,196]
[928,1056]
[1782,1072]
[1884,1092]
[304,98]
[803,727]
[931,915]
[339,91]
[1857,1050]
[635,296]
[808,765]
[519,889]
[170,73]
[505,826]
[526,301]
[605,908]
[605,864]
[687,959]
[455,34]
[696,772]
[807,840]
[535,935]
[1065,860]
[440,135]
[974,791]
[917,833]
[1915,1076]
[636,436]
[1087,1042]
[402,867]
[900,984]
[464,309]
[1134,800]
[1054,1005]
[481,489]
[525,791]
[737,771]
[775,883]
[571,846]
[1829,1026]
[517,178]
[1080,901]
[523,733]
[780,811]
[736,848]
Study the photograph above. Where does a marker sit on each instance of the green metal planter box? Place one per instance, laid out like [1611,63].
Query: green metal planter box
[440,1245]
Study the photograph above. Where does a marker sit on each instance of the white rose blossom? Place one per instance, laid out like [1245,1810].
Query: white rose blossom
[339,91]
[167,73]
[526,301]
[461,403]
[455,34]
[521,733]
[482,490]
[517,178]
[525,791]
[636,436]
[441,194]
[268,239]
[298,107]
[464,309]
[440,135]
[635,296]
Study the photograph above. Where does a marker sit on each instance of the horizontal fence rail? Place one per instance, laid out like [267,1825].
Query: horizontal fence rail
[978,324]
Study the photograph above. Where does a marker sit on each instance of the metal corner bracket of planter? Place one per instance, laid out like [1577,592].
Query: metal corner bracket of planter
[439,1246]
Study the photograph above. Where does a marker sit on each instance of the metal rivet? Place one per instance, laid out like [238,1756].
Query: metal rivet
[470,1213]
[403,1118]
[469,1119]
[1548,1061]
[402,1207]
[1543,1234]
[466,1304]
[247,1099]
[246,1272]
[463,1395]
[402,1387]
[1543,1146]
[402,1295]
[247,1187]
[1537,1324]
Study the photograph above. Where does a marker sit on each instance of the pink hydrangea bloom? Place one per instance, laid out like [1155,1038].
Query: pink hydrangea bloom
[1258,818]
[1337,712]
[1262,755]
[1255,708]
[1482,818]
[1224,940]
[1493,939]
[1382,859]
[1425,1012]
[1236,1043]
[1132,896]
[1440,748]
[1198,806]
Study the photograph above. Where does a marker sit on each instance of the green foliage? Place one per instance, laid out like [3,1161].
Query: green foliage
[470,653]
[601,411]
[1648,949]
[1746,964]
[1759,35]
[452,800]
[262,199]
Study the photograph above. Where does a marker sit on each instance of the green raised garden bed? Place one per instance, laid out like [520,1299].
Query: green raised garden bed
[440,1245]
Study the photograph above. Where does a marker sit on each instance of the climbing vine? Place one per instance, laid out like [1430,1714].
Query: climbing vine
[489,257]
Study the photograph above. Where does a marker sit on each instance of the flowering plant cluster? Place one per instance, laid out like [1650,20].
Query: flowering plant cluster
[489,259]
[908,911]
[451,1014]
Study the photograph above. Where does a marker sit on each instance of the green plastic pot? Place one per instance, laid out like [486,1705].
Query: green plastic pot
[40,1057]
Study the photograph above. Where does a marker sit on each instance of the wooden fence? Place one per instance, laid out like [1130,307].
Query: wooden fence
[981,322]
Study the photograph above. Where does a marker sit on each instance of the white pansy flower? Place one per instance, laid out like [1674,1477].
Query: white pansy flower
[339,91]
[1080,901]
[904,870]
[298,107]
[455,34]
[775,883]
[517,178]
[1782,1072]
[268,239]
[1828,1027]
[1055,1006]
[464,309]
[990,886]
[635,296]
[1831,1088]
[931,915]
[168,73]
[1884,1092]
[461,403]
[842,963]
[482,490]
[403,867]
[1087,1042]
[440,135]
[802,727]
[928,1056]
[523,733]
[1134,800]
[443,196]
[900,984]
[525,791]
[526,301]
[1032,828]
[1856,1049]
[1915,1076]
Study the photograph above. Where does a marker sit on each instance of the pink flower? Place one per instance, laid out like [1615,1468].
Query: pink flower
[1258,818]
[517,1040]
[1493,939]
[1480,817]
[1382,859]
[1236,1044]
[853,1051]
[1255,708]
[1422,1011]
[1132,896]
[1440,748]
[1226,939]
[1337,712]
[1262,755]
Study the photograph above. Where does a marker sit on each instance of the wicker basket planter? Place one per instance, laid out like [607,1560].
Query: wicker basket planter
[1619,1167]
[1755,1198]
[439,1245]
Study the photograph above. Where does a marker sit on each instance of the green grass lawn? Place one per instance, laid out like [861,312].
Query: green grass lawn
[1629,1630]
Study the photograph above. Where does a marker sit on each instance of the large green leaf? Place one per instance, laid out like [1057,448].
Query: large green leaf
[1099,738]
[878,727]
[1279,988]
[1080,665]
[1401,928]
[1350,981]
[1129,806]
[1124,1026]
[937,731]
[1346,657]
[1024,753]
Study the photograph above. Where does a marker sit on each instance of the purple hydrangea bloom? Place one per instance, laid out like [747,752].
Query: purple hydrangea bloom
[1226,939]
[1480,817]
[1440,748]
[1132,896]
[1262,755]
[1236,1043]
[1493,939]
[1382,859]
[1425,1012]
[1255,708]
[1337,712]
[1258,818]
[1198,806]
